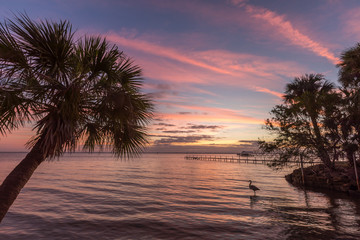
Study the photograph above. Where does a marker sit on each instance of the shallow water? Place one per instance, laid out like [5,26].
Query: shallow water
[164,196]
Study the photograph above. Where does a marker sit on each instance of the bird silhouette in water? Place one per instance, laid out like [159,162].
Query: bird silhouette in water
[253,187]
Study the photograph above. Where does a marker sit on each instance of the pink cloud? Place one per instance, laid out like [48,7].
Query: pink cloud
[265,90]
[221,14]
[161,51]
[209,114]
[206,67]
[238,2]
[287,30]
[173,87]
[243,64]
[168,71]
[211,118]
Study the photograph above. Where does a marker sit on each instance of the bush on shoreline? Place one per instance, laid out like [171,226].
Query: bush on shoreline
[319,176]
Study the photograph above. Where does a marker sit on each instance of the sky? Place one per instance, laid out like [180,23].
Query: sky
[214,68]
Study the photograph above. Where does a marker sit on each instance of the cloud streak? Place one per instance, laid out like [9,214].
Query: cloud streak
[161,51]
[287,30]
[183,139]
[265,90]
[206,67]
[213,127]
[218,15]
[209,114]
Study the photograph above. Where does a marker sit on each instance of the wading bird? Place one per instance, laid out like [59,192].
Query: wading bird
[253,187]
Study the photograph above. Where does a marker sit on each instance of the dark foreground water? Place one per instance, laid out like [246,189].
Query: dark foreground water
[164,196]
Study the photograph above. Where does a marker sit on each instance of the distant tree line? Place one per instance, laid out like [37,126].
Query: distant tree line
[317,118]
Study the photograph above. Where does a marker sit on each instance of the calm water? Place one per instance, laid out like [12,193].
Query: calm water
[163,196]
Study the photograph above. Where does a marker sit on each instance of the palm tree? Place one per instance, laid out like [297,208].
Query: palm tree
[309,95]
[349,77]
[349,71]
[75,92]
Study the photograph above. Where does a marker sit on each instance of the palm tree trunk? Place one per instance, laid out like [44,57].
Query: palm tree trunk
[302,170]
[356,173]
[350,157]
[324,156]
[16,180]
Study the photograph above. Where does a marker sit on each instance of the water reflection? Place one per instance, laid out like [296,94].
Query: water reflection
[331,216]
[253,201]
[313,215]
[167,197]
[306,197]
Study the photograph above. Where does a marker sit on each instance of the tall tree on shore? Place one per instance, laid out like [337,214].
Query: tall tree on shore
[349,77]
[297,123]
[309,96]
[75,91]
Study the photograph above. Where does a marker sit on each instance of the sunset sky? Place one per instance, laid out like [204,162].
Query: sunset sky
[215,68]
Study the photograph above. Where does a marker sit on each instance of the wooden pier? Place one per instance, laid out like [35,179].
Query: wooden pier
[254,159]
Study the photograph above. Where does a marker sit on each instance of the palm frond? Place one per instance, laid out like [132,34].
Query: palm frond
[76,91]
[47,45]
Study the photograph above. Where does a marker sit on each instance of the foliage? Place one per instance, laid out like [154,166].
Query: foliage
[317,118]
[349,77]
[349,67]
[298,122]
[76,91]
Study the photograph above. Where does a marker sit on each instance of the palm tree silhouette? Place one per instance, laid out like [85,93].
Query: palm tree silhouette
[76,92]
[309,94]
[349,67]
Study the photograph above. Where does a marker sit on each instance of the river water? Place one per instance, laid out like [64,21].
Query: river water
[164,196]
